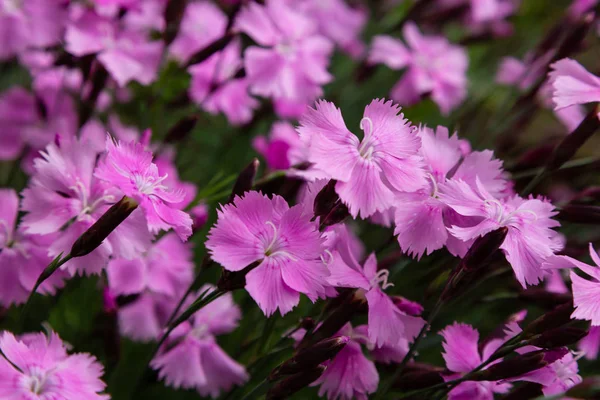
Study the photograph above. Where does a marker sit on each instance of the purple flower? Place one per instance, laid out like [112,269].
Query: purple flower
[192,358]
[47,371]
[203,22]
[435,67]
[283,148]
[573,84]
[130,168]
[369,172]
[288,246]
[388,324]
[126,54]
[291,65]
[530,239]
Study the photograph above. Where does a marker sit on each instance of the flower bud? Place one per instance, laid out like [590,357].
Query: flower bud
[559,337]
[418,379]
[288,386]
[544,298]
[181,129]
[173,15]
[513,367]
[326,199]
[581,214]
[93,237]
[558,317]
[245,180]
[310,357]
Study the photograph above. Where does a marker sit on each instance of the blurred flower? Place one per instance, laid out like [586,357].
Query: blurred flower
[288,246]
[283,148]
[371,171]
[291,65]
[590,345]
[46,370]
[199,214]
[192,359]
[573,84]
[130,168]
[435,67]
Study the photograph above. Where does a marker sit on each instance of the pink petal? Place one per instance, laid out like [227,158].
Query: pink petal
[573,84]
[585,298]
[420,227]
[389,51]
[460,347]
[267,287]
[385,325]
[126,276]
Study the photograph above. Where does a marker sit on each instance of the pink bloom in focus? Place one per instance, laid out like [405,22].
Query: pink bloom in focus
[23,257]
[47,371]
[462,355]
[203,22]
[573,84]
[288,246]
[388,325]
[530,239]
[126,54]
[350,374]
[291,64]
[435,67]
[369,172]
[130,168]
[192,359]
[283,148]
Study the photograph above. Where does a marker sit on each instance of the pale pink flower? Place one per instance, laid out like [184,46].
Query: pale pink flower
[434,67]
[192,358]
[369,172]
[47,371]
[291,64]
[130,168]
[530,239]
[256,228]
[573,84]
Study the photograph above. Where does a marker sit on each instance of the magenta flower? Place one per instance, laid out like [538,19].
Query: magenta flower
[192,359]
[350,374]
[388,324]
[462,355]
[130,168]
[203,22]
[590,345]
[291,65]
[47,371]
[573,84]
[369,172]
[126,54]
[530,239]
[435,67]
[288,246]
[23,257]
[283,148]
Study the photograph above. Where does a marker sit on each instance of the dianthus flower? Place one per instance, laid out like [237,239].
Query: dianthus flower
[291,65]
[530,239]
[573,84]
[192,359]
[46,370]
[388,324]
[369,172]
[288,246]
[23,257]
[283,148]
[435,67]
[63,193]
[130,168]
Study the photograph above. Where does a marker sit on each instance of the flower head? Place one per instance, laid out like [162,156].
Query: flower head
[288,246]
[46,370]
[573,84]
[130,168]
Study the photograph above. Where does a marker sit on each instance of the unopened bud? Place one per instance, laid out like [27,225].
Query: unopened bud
[245,180]
[310,357]
[419,379]
[173,15]
[288,386]
[307,323]
[544,298]
[93,237]
[519,365]
[559,337]
[581,214]
[589,388]
[233,280]
[181,129]
[558,317]
[326,199]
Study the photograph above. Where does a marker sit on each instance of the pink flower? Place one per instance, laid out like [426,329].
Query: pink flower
[192,358]
[203,22]
[47,371]
[530,239]
[144,318]
[130,168]
[214,88]
[369,172]
[283,148]
[350,374]
[23,257]
[462,355]
[590,345]
[435,67]
[388,325]
[126,54]
[30,23]
[288,246]
[291,65]
[573,84]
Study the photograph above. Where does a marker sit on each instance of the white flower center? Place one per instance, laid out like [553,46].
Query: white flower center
[275,247]
[83,193]
[148,184]
[497,212]
[381,278]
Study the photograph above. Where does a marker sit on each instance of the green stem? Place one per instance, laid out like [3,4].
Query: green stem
[272,176]
[257,391]
[534,182]
[266,333]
